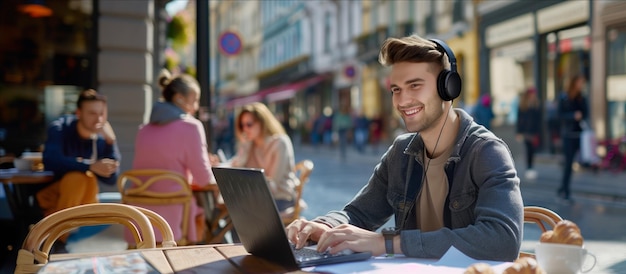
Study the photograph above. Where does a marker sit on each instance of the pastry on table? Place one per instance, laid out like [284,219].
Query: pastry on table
[524,265]
[479,268]
[565,232]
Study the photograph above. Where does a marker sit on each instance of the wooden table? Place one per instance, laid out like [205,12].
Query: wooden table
[19,187]
[220,258]
[233,258]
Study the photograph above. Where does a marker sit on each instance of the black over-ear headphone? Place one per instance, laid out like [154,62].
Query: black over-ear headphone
[448,81]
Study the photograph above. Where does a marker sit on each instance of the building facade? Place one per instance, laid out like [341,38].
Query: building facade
[297,50]
[608,60]
[52,50]
[450,21]
[543,44]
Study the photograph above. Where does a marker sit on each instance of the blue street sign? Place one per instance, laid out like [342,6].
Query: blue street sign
[230,43]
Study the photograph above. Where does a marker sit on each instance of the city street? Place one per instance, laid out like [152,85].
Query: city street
[334,182]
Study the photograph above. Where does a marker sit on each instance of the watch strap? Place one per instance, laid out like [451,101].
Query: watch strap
[389,245]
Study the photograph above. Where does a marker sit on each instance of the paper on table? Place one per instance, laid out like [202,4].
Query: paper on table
[124,263]
[453,261]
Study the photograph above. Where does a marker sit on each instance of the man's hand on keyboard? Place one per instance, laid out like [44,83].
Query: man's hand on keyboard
[349,237]
[301,232]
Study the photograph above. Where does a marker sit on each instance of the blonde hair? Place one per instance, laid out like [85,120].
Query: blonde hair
[269,124]
[414,49]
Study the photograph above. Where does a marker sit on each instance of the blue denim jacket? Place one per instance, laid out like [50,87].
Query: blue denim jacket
[483,215]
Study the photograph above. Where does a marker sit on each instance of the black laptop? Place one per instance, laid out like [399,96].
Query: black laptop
[258,224]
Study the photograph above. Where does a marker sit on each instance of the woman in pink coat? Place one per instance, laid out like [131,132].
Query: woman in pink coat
[175,140]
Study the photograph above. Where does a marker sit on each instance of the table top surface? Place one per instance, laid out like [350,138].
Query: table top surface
[25,177]
[233,258]
[219,258]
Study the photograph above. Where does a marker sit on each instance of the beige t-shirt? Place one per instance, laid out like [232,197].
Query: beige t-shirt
[432,197]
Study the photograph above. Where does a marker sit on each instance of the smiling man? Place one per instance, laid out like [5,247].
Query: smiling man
[448,182]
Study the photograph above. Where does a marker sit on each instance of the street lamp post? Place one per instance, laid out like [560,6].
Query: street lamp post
[203,64]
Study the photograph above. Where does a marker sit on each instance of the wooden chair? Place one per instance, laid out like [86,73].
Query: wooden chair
[303,169]
[36,247]
[545,218]
[220,222]
[135,187]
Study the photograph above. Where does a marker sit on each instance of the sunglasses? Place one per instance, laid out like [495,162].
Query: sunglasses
[248,124]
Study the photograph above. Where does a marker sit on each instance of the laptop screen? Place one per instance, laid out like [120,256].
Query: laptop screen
[254,214]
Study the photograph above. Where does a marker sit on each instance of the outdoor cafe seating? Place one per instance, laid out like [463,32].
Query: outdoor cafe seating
[303,170]
[544,218]
[35,249]
[135,187]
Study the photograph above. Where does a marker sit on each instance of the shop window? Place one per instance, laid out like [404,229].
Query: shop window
[458,11]
[39,52]
[616,82]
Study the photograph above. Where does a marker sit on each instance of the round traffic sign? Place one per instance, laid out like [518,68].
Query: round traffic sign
[230,43]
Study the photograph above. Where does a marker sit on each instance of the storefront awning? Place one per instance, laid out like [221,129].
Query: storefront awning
[276,93]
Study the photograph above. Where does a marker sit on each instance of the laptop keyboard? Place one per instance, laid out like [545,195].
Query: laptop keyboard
[309,253]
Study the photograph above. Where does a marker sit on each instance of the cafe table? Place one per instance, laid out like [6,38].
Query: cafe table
[233,258]
[19,187]
[216,258]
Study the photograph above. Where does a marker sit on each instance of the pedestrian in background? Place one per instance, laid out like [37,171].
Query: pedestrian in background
[263,143]
[175,140]
[554,125]
[361,131]
[342,126]
[573,110]
[483,114]
[528,127]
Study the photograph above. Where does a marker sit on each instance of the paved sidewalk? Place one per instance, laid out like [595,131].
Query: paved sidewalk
[601,185]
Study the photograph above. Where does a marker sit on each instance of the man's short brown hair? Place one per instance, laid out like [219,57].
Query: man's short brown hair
[414,49]
[90,95]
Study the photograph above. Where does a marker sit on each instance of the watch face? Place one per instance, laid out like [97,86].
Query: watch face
[391,231]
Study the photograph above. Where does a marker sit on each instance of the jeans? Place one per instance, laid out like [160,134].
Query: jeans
[571,145]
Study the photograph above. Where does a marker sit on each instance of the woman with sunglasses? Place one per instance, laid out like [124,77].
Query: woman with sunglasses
[264,144]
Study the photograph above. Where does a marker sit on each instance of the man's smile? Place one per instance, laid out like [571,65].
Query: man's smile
[411,111]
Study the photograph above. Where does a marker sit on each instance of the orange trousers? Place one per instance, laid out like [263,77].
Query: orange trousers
[75,188]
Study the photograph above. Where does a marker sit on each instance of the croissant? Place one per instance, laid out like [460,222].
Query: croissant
[524,265]
[565,232]
[479,268]
[569,237]
[547,237]
[565,226]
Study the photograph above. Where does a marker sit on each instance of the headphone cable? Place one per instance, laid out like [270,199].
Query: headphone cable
[406,185]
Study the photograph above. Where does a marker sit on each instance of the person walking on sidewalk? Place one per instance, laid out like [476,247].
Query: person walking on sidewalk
[572,110]
[448,182]
[528,127]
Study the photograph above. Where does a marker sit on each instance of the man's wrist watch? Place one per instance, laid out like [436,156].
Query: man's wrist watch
[389,233]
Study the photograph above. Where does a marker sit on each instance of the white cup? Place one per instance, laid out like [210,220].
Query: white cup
[562,258]
[23,164]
